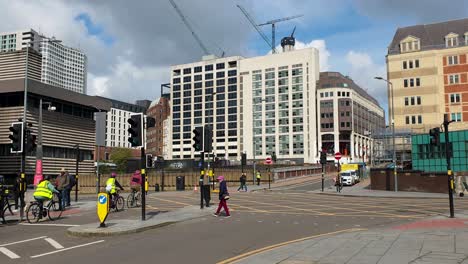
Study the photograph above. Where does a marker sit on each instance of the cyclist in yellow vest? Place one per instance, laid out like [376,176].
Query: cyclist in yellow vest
[44,191]
[111,183]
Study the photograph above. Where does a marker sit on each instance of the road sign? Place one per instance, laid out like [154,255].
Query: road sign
[268,161]
[337,156]
[102,208]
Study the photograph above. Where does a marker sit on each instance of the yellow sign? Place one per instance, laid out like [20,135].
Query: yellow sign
[346,167]
[102,207]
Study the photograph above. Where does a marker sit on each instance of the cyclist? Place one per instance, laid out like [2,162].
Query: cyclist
[135,181]
[44,192]
[110,186]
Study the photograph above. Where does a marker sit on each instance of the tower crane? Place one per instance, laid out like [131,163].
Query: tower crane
[273,29]
[187,24]
[247,15]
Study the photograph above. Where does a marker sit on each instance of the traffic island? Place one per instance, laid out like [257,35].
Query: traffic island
[130,226]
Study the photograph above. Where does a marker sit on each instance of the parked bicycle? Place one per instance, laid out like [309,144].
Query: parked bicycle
[117,202]
[36,211]
[134,199]
[7,209]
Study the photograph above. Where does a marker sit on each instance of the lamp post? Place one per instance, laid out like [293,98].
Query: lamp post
[390,88]
[98,177]
[39,153]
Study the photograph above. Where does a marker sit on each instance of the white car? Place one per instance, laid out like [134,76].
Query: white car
[355,175]
[347,178]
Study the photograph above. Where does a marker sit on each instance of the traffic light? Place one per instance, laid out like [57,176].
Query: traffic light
[198,139]
[31,142]
[323,157]
[135,130]
[208,139]
[244,159]
[149,161]
[16,137]
[434,133]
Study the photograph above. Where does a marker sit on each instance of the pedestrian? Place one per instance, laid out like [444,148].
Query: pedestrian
[338,183]
[243,182]
[19,190]
[223,197]
[206,189]
[72,184]
[63,184]
[259,177]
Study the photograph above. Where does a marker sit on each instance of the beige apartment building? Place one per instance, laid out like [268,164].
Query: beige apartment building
[427,68]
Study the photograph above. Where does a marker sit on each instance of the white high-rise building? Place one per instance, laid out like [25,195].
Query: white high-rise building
[62,66]
[264,105]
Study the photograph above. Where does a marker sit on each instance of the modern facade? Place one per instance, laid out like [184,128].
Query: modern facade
[348,117]
[277,102]
[61,66]
[205,93]
[116,131]
[159,109]
[13,65]
[427,66]
[69,125]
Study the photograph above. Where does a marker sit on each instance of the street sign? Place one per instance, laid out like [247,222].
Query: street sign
[337,156]
[268,161]
[102,208]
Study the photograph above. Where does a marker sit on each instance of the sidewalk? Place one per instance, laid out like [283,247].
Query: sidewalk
[435,240]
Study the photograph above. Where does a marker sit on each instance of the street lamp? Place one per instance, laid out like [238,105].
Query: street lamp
[390,90]
[98,150]
[39,153]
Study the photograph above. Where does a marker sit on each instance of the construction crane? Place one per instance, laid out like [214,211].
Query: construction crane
[256,27]
[273,29]
[187,24]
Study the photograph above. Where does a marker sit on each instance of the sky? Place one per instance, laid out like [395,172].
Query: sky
[130,45]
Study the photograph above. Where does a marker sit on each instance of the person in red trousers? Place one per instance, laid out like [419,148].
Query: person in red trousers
[223,197]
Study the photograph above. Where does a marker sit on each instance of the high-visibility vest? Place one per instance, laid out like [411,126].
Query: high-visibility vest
[259,175]
[111,182]
[42,190]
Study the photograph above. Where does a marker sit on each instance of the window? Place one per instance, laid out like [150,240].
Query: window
[187,70]
[418,100]
[197,69]
[419,119]
[416,63]
[406,101]
[220,74]
[456,117]
[411,82]
[454,79]
[405,66]
[405,81]
[418,82]
[451,40]
[407,120]
[452,60]
[454,98]
[220,66]
[411,64]
[209,67]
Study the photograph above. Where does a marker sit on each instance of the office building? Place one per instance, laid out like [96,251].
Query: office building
[427,66]
[349,118]
[61,66]
[159,109]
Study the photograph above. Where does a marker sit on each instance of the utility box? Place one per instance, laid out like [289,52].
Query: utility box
[180,183]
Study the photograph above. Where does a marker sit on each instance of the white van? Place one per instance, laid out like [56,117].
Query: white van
[347,178]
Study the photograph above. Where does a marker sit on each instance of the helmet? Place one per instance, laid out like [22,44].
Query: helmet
[113,174]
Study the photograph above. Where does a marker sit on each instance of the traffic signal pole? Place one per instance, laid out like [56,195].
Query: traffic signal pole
[449,170]
[143,181]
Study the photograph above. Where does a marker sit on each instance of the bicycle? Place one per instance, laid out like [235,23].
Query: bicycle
[134,199]
[36,210]
[7,210]
[117,202]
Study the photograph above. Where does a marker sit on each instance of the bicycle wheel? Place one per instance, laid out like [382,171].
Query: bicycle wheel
[33,213]
[138,199]
[131,201]
[53,210]
[119,203]
[9,212]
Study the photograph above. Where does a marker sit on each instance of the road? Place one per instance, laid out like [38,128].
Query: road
[258,219]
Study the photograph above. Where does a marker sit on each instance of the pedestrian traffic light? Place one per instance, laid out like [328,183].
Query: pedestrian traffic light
[244,159]
[208,139]
[31,142]
[323,157]
[16,137]
[149,161]
[434,134]
[135,130]
[198,139]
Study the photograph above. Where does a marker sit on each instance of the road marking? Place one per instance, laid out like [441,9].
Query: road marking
[54,243]
[64,249]
[22,241]
[154,198]
[64,225]
[268,248]
[9,253]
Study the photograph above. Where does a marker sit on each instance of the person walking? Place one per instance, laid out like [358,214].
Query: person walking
[338,183]
[72,184]
[63,184]
[206,189]
[243,182]
[19,190]
[223,197]
[259,177]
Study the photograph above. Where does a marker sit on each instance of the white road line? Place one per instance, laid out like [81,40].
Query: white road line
[65,225]
[9,253]
[64,249]
[54,243]
[22,241]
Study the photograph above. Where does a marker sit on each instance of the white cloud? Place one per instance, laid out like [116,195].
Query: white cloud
[320,45]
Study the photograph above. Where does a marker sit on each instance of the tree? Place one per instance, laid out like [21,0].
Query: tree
[119,157]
